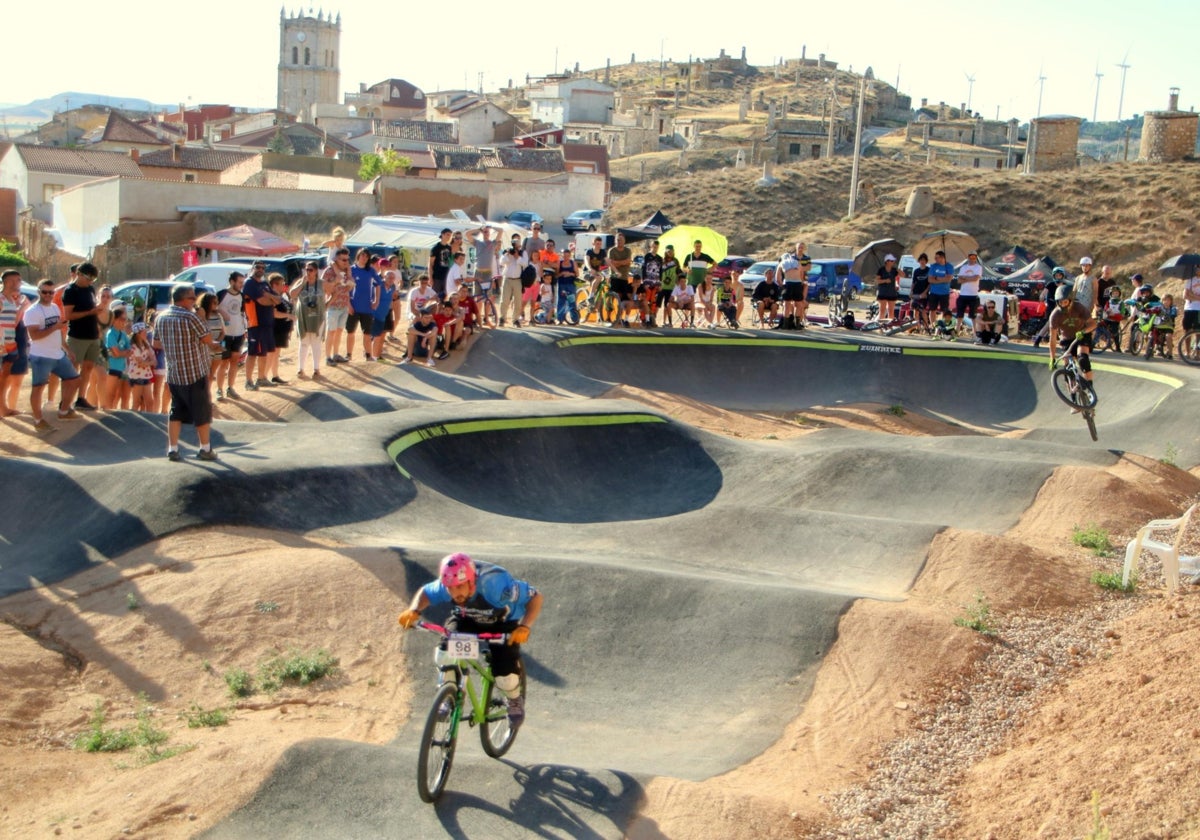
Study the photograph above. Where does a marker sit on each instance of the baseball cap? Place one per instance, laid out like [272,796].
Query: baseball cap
[1137,278]
[117,306]
[972,253]
[140,326]
[890,258]
[1085,261]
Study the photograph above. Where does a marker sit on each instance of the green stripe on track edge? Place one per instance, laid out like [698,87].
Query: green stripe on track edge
[891,349]
[466,427]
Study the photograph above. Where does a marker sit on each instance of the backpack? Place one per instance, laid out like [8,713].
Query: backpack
[528,276]
[848,320]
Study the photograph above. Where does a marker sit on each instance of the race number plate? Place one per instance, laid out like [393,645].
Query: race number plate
[463,647]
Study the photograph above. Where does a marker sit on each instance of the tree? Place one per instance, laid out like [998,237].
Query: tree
[280,145]
[10,256]
[387,163]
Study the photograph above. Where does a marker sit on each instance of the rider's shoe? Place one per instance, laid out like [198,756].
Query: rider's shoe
[516,711]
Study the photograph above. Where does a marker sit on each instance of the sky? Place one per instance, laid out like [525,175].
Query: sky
[226,51]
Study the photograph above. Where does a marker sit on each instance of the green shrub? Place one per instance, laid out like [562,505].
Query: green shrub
[978,616]
[198,717]
[296,667]
[239,682]
[1112,581]
[1094,538]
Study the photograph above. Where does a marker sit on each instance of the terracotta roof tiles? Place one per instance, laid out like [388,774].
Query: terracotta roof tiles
[78,161]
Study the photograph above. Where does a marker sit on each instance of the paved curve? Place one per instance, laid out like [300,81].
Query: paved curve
[693,581]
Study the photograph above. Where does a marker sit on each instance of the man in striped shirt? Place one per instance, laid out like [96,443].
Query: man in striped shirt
[186,343]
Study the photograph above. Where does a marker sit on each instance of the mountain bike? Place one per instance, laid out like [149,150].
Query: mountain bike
[466,693]
[600,307]
[1106,336]
[839,304]
[1189,347]
[1073,389]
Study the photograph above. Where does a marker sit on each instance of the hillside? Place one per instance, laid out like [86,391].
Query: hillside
[1132,216]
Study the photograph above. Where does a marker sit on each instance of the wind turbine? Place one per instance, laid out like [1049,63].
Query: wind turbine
[1124,65]
[1096,105]
[1041,82]
[970,89]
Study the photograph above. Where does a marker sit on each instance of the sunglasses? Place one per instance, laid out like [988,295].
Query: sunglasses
[45,291]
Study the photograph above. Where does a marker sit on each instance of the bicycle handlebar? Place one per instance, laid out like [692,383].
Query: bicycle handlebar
[430,627]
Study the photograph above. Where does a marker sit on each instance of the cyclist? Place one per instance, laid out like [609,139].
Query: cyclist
[486,599]
[1070,321]
[1142,307]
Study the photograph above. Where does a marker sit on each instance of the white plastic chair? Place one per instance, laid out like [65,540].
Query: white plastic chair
[1173,563]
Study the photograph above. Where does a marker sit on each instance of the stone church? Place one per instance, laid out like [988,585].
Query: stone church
[308,61]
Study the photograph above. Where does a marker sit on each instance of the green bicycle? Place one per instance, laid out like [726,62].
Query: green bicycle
[600,308]
[466,692]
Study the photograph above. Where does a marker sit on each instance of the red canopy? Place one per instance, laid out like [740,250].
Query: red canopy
[244,239]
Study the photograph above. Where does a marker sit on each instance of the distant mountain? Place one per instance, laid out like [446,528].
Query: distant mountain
[46,108]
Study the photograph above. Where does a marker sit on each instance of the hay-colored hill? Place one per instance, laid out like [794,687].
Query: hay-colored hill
[1132,216]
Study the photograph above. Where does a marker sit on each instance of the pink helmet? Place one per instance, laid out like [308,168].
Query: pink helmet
[457,569]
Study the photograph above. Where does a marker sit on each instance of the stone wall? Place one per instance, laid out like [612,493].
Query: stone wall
[1168,136]
[1053,144]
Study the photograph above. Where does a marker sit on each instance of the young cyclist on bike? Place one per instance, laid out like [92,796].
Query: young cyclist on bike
[1069,321]
[486,599]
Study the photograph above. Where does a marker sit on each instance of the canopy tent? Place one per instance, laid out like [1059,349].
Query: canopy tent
[683,236]
[1012,259]
[653,228]
[417,234]
[1027,282]
[245,239]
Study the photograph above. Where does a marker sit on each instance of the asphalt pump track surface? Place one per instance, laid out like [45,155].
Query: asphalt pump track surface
[693,581]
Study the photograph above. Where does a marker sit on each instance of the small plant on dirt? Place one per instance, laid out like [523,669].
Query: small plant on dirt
[99,738]
[131,602]
[239,682]
[296,667]
[1094,538]
[212,718]
[1113,581]
[1099,829]
[1170,455]
[896,410]
[978,617]
[266,606]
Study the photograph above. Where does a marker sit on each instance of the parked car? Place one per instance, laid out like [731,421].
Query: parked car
[826,276]
[212,275]
[139,295]
[756,273]
[30,292]
[725,267]
[582,220]
[523,218]
[291,266]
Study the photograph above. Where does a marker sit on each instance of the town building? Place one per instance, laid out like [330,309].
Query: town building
[308,62]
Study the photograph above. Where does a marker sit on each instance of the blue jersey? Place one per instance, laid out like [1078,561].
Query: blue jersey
[498,598]
[384,307]
[939,278]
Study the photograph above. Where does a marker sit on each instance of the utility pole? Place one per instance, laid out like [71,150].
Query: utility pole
[862,95]
[1124,65]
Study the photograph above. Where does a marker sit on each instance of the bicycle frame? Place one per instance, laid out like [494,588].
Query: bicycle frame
[463,677]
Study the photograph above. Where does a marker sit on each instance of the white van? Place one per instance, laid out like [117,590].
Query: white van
[908,263]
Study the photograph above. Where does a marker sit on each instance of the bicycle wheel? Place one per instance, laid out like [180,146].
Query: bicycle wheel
[1090,417]
[496,733]
[1137,340]
[1189,347]
[835,308]
[437,744]
[1101,339]
[610,305]
[1071,390]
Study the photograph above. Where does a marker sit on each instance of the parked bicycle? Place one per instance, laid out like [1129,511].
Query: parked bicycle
[466,693]
[1073,389]
[1189,347]
[601,306]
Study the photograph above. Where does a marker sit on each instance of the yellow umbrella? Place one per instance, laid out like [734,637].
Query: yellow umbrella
[682,237]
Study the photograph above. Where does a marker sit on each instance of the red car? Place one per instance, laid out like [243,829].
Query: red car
[725,267]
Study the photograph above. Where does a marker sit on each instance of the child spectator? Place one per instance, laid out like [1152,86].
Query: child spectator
[285,323]
[381,321]
[116,346]
[1165,331]
[545,313]
[161,401]
[140,369]
[422,337]
[449,328]
[206,308]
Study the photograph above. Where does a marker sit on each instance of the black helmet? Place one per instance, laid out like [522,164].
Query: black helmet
[1146,289]
[1062,293]
[1058,269]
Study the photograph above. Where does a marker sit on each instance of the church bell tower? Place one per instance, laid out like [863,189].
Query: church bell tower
[309,47]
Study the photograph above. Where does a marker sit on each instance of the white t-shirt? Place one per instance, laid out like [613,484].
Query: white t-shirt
[682,294]
[454,278]
[968,279]
[1190,306]
[232,313]
[40,316]
[418,297]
